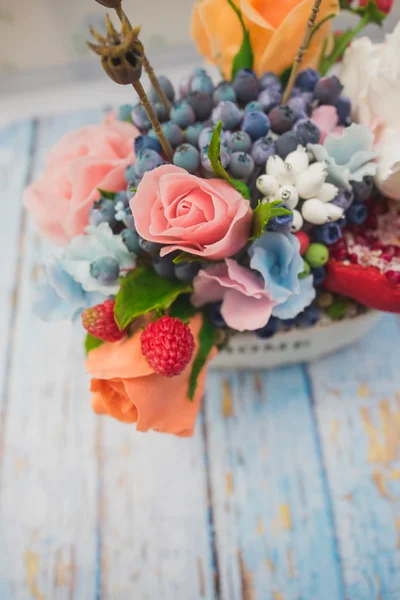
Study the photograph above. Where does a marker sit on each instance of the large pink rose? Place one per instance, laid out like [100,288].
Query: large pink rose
[206,217]
[246,305]
[92,157]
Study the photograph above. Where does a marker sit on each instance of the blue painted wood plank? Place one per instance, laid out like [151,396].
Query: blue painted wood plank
[275,537]
[357,404]
[48,499]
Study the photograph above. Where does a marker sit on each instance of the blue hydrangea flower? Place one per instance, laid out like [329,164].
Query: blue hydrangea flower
[61,297]
[97,243]
[276,256]
[349,156]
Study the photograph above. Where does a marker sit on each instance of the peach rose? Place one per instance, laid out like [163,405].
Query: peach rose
[276,32]
[206,217]
[92,157]
[125,387]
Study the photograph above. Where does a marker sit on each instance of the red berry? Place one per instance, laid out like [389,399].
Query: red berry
[168,346]
[304,241]
[100,322]
[393,277]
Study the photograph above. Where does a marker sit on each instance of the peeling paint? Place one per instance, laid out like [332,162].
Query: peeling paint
[277,596]
[334,430]
[286,518]
[32,564]
[270,565]
[383,443]
[248,592]
[260,526]
[380,483]
[227,402]
[229,483]
[202,582]
[290,563]
[363,390]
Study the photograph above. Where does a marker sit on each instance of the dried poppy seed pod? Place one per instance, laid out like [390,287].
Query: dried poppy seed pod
[121,53]
[110,3]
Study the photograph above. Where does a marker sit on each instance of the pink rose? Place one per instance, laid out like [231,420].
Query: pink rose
[326,118]
[92,157]
[246,305]
[206,217]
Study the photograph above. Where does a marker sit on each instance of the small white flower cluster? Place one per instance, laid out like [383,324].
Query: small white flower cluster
[295,179]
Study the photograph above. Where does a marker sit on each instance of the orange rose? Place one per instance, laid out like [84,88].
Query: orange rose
[276,32]
[125,387]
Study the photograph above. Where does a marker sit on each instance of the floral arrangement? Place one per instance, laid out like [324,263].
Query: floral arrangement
[262,203]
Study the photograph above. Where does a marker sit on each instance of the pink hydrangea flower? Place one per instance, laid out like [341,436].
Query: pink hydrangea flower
[206,217]
[246,305]
[83,161]
[326,118]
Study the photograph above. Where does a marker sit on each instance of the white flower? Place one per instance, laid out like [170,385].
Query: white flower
[371,78]
[298,159]
[83,250]
[317,212]
[310,181]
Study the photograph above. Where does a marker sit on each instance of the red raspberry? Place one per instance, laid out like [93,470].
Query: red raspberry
[168,346]
[304,241]
[100,322]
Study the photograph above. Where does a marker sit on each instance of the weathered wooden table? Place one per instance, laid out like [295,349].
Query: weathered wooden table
[289,490]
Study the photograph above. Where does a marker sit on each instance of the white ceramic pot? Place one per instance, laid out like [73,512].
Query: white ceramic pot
[246,351]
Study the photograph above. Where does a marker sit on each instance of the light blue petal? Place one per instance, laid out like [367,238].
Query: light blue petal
[48,306]
[354,139]
[360,159]
[296,303]
[66,287]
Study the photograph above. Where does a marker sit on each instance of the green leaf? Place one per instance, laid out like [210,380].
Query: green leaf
[133,189]
[182,308]
[244,58]
[208,338]
[107,194]
[186,257]
[219,171]
[284,76]
[264,213]
[319,25]
[91,343]
[143,291]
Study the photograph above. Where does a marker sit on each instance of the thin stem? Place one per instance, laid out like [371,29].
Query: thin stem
[166,146]
[302,50]
[148,68]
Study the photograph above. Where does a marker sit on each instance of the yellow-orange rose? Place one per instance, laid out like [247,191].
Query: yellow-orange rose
[276,31]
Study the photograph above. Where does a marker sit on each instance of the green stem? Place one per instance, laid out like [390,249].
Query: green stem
[340,48]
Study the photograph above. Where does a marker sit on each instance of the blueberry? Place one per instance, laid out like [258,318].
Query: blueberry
[343,199]
[287,143]
[161,111]
[269,98]
[282,223]
[140,118]
[262,150]
[224,155]
[307,131]
[202,83]
[172,132]
[328,90]
[187,157]
[130,174]
[201,103]
[131,240]
[343,109]
[229,113]
[309,317]
[224,92]
[193,133]
[246,86]
[122,198]
[256,124]
[362,189]
[143,142]
[147,160]
[166,86]
[103,211]
[125,112]
[268,330]
[328,233]
[307,80]
[105,270]
[357,214]
[187,271]
[126,217]
[270,80]
[241,165]
[319,274]
[239,141]
[182,114]
[184,85]
[206,135]
[151,248]
[164,267]
[215,316]
[300,105]
[254,106]
[282,118]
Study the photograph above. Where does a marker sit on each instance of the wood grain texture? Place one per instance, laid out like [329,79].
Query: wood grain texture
[48,507]
[357,404]
[274,533]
